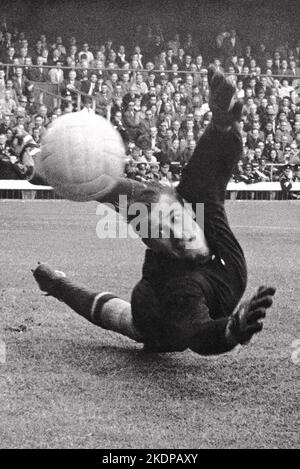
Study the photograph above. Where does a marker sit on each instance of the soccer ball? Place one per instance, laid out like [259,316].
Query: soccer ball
[82,154]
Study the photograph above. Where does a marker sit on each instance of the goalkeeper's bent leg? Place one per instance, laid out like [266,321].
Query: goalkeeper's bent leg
[102,309]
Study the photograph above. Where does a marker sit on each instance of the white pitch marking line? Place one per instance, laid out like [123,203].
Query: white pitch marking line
[267,227]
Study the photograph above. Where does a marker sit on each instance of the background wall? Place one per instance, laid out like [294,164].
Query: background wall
[95,20]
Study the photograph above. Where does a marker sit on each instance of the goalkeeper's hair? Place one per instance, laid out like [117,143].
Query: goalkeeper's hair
[153,193]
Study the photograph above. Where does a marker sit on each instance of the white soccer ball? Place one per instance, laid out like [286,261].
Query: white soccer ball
[82,154]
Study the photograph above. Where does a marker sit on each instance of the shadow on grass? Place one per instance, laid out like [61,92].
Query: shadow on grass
[185,375]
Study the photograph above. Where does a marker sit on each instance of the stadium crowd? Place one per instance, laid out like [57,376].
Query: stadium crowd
[155,93]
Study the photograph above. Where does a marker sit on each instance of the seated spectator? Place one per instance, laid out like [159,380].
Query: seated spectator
[43,111]
[148,156]
[296,176]
[91,86]
[23,54]
[231,45]
[253,139]
[174,154]
[141,172]
[9,55]
[189,46]
[154,173]
[131,121]
[5,149]
[2,84]
[56,74]
[165,174]
[285,88]
[187,153]
[297,140]
[9,137]
[294,154]
[138,85]
[286,181]
[238,171]
[10,166]
[82,69]
[7,122]
[12,91]
[283,131]
[72,56]
[38,73]
[36,136]
[85,51]
[119,125]
[27,69]
[174,44]
[31,106]
[262,172]
[7,104]
[146,124]
[248,176]
[38,123]
[71,86]
[130,169]
[134,152]
[21,84]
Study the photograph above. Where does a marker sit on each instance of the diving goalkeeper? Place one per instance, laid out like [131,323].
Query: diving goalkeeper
[192,282]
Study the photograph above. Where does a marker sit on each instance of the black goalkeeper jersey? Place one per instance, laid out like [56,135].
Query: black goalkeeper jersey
[223,279]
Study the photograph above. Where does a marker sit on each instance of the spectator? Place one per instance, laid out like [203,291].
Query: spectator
[296,177]
[285,89]
[10,166]
[174,44]
[262,172]
[248,176]
[165,174]
[231,45]
[119,125]
[70,87]
[131,121]
[21,84]
[56,74]
[286,182]
[149,158]
[91,86]
[39,73]
[72,57]
[7,104]
[2,84]
[85,51]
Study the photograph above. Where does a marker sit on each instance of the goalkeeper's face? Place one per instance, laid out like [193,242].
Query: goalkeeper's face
[174,231]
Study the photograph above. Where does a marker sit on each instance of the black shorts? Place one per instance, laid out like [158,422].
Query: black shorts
[166,319]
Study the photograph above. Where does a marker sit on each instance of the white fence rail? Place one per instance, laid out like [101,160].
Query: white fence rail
[12,189]
[13,184]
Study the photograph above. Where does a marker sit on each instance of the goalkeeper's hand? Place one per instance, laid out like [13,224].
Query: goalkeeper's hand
[46,278]
[245,321]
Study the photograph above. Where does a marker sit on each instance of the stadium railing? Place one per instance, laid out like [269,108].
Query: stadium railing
[20,189]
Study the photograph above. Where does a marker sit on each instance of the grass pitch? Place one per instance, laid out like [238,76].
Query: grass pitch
[68,384]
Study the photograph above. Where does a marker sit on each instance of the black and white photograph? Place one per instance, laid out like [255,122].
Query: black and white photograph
[150,227]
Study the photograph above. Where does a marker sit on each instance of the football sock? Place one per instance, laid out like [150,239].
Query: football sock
[114,314]
[102,309]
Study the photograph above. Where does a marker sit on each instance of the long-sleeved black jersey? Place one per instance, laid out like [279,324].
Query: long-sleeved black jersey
[174,294]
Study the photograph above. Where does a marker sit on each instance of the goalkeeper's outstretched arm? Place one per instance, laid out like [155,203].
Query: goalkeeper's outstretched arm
[222,335]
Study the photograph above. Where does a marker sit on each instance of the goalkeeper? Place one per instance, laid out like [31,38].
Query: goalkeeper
[189,295]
